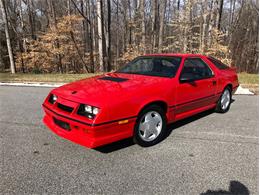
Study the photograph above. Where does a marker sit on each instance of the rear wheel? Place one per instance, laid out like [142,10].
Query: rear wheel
[224,101]
[150,126]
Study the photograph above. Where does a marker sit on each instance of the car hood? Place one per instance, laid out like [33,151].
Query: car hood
[105,88]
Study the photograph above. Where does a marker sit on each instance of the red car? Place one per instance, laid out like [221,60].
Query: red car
[139,99]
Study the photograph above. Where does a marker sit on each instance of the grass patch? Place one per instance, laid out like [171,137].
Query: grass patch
[58,78]
[248,79]
[244,78]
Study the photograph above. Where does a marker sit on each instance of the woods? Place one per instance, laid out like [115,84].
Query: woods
[79,36]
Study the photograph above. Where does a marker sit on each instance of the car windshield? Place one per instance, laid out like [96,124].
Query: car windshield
[152,66]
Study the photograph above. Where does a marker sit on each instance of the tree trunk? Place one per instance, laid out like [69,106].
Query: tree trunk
[211,23]
[233,11]
[231,15]
[100,37]
[78,51]
[134,22]
[91,40]
[9,46]
[104,36]
[57,44]
[162,16]
[31,19]
[117,34]
[22,43]
[204,26]
[84,26]
[220,13]
[154,23]
[179,34]
[142,25]
[109,35]
[126,27]
[190,25]
[186,25]
[130,23]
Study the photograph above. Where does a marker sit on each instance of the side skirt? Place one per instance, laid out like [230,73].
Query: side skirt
[193,112]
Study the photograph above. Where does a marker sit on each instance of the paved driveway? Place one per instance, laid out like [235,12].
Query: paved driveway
[204,154]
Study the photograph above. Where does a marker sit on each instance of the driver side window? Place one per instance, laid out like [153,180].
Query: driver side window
[195,69]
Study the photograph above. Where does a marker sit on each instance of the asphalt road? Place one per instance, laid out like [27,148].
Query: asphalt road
[209,153]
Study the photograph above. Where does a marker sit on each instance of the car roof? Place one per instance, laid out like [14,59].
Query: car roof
[175,55]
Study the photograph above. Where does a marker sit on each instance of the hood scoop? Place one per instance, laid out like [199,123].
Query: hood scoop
[115,79]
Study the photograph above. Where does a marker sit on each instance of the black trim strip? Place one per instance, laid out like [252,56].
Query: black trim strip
[92,125]
[194,100]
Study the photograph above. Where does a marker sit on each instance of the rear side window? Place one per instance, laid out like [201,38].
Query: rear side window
[218,63]
[196,68]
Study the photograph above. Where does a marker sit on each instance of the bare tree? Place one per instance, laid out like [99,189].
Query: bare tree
[100,36]
[219,18]
[31,18]
[9,46]
[162,16]
[108,35]
[107,31]
[117,33]
[154,23]
[142,3]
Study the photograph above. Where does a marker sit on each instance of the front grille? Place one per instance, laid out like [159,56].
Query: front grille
[65,108]
[62,124]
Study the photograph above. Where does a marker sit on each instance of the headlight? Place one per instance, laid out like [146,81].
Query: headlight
[53,98]
[88,111]
[95,111]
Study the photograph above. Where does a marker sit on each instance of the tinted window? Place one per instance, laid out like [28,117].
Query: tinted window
[153,66]
[218,63]
[196,68]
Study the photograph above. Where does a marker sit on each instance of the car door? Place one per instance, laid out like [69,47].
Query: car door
[196,87]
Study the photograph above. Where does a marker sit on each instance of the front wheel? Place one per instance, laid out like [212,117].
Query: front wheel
[224,101]
[150,126]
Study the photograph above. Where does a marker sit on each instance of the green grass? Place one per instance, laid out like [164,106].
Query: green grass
[59,78]
[250,81]
[244,78]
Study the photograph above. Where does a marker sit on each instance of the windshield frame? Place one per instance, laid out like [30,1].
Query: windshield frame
[151,57]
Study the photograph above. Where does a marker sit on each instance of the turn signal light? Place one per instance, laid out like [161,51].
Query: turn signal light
[122,122]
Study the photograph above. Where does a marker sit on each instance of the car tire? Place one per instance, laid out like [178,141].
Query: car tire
[224,101]
[150,126]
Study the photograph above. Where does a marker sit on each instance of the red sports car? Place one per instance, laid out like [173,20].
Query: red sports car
[139,99]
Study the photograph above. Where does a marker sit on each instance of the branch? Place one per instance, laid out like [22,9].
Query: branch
[80,12]
[78,51]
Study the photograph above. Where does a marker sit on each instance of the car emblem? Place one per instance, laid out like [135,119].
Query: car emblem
[73,92]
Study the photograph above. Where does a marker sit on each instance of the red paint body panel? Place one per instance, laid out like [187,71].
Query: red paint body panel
[124,100]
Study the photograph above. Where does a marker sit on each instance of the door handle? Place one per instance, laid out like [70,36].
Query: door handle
[214,83]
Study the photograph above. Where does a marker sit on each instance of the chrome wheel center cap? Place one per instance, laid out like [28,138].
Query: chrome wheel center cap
[150,126]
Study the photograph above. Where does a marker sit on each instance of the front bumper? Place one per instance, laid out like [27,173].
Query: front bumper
[88,135]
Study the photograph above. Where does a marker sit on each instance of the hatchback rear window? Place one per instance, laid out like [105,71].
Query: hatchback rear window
[218,63]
